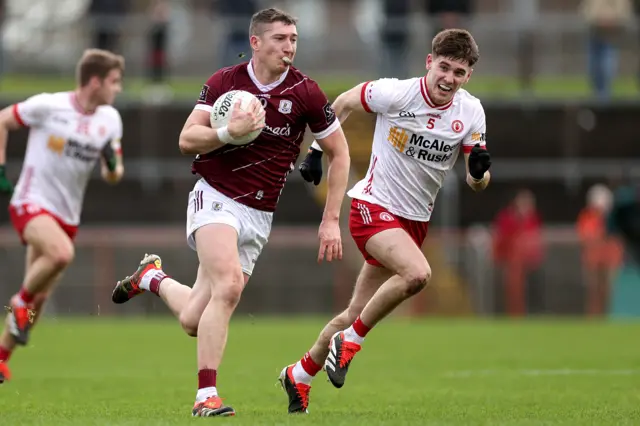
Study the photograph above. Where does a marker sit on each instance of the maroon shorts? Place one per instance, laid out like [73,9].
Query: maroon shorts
[22,214]
[367,219]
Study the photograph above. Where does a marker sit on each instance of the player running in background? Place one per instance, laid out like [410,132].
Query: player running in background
[68,133]
[422,125]
[231,207]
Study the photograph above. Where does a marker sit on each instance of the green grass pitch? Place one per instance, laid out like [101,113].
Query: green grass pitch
[188,88]
[142,371]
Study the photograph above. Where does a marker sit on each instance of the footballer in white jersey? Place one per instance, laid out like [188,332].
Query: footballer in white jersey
[415,144]
[68,133]
[422,126]
[62,150]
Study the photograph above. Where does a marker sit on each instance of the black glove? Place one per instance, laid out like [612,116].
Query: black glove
[479,162]
[109,156]
[311,167]
[6,187]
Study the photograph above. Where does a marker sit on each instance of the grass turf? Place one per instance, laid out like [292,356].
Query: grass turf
[188,88]
[142,371]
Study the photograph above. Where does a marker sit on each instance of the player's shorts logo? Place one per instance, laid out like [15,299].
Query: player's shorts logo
[457,126]
[386,217]
[29,209]
[285,106]
[217,206]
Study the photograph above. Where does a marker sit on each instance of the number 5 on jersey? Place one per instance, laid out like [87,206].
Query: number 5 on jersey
[431,123]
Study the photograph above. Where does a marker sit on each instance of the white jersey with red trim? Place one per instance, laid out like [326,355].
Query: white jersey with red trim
[415,144]
[63,147]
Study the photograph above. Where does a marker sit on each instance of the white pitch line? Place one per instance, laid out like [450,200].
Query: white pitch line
[541,372]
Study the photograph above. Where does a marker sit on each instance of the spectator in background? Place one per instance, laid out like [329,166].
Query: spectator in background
[526,13]
[395,39]
[607,20]
[235,14]
[449,13]
[107,20]
[157,41]
[601,253]
[518,253]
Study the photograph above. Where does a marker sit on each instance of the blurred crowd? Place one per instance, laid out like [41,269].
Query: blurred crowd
[609,23]
[609,231]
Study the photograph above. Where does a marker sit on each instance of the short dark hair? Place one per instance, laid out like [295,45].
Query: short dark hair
[269,16]
[97,63]
[456,44]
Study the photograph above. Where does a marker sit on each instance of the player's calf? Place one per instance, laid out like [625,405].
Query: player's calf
[38,305]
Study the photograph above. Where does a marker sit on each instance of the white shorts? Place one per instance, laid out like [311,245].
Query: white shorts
[207,206]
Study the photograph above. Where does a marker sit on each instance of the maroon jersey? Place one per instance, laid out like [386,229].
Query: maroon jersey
[254,174]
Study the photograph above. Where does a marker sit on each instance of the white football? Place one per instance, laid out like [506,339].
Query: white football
[221,112]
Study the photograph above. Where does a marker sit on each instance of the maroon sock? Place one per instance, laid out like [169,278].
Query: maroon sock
[207,378]
[26,296]
[5,354]
[360,328]
[309,365]
[154,285]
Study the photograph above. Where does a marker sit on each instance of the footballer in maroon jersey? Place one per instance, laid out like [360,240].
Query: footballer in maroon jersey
[231,207]
[254,174]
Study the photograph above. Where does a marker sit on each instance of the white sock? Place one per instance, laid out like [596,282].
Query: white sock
[350,335]
[205,393]
[146,278]
[300,375]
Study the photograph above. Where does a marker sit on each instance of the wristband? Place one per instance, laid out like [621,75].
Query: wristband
[316,146]
[223,135]
[476,180]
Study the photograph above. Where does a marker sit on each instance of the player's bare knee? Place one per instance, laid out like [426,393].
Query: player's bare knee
[189,324]
[417,279]
[61,255]
[230,293]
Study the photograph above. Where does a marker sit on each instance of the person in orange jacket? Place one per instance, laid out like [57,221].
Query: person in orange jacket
[601,253]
